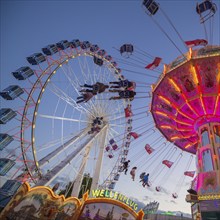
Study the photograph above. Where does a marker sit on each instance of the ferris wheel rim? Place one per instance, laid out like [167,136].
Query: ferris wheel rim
[56,66]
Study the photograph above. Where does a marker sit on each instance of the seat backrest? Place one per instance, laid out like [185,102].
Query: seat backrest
[151,6]
[204,6]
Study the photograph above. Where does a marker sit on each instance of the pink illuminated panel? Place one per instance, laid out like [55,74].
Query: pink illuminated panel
[187,97]
[208,183]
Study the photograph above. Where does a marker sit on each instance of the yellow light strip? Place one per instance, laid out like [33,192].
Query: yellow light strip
[164,114]
[216,104]
[183,129]
[175,85]
[175,138]
[202,102]
[191,108]
[189,145]
[184,123]
[195,75]
[179,111]
[190,53]
[161,113]
[199,88]
[184,97]
[209,197]
[166,126]
[164,69]
[164,99]
[184,114]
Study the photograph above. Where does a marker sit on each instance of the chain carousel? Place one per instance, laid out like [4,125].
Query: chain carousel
[186,109]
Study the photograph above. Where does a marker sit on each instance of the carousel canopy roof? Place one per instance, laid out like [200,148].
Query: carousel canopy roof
[187,95]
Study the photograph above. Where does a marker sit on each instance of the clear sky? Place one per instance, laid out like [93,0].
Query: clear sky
[27,26]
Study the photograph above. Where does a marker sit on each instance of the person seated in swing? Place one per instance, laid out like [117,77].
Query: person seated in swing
[145,180]
[126,94]
[85,97]
[142,176]
[97,121]
[132,172]
[125,166]
[125,84]
[94,129]
[95,88]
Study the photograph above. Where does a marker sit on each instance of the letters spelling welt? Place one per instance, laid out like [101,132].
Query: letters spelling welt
[114,195]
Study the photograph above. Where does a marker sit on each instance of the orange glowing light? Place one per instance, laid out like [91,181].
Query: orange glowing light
[161,113]
[190,53]
[216,104]
[195,75]
[164,69]
[190,145]
[203,107]
[166,127]
[183,129]
[175,138]
[184,114]
[152,87]
[175,85]
[164,99]
[184,123]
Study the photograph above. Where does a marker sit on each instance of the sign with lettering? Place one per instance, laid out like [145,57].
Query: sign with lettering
[115,195]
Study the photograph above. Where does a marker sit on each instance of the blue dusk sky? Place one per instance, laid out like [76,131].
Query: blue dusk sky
[27,26]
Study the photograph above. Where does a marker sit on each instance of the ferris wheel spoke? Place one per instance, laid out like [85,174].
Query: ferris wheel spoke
[50,144]
[61,118]
[116,125]
[58,150]
[113,131]
[84,69]
[116,118]
[62,95]
[72,77]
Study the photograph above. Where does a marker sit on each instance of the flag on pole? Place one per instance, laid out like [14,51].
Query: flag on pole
[197,42]
[155,63]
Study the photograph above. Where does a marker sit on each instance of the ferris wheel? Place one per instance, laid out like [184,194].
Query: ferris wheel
[61,137]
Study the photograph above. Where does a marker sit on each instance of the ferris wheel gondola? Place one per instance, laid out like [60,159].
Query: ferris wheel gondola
[206,10]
